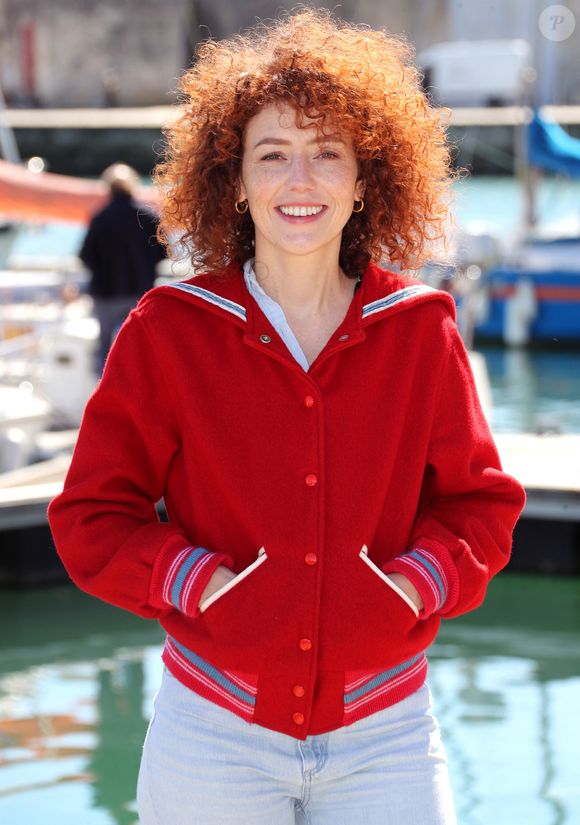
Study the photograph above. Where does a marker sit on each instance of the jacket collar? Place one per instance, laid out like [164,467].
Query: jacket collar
[382,293]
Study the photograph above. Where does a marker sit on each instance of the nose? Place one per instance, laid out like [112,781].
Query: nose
[301,178]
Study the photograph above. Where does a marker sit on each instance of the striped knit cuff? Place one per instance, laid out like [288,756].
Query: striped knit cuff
[184,578]
[427,574]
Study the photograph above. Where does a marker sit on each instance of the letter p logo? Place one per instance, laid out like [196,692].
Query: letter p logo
[557,23]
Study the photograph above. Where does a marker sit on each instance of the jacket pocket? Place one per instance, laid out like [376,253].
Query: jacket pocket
[377,626]
[247,571]
[364,555]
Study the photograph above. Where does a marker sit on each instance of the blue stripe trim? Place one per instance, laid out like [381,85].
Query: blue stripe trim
[434,573]
[212,298]
[190,561]
[214,674]
[381,678]
[396,298]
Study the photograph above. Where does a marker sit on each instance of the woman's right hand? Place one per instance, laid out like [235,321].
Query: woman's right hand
[221,576]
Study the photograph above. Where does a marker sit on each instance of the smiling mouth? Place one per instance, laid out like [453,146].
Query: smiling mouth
[300,211]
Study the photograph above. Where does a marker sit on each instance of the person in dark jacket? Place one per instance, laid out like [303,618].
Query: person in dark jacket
[122,252]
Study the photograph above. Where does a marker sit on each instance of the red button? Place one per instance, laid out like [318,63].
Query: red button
[298,718]
[308,401]
[305,644]
[311,479]
[298,690]
[310,558]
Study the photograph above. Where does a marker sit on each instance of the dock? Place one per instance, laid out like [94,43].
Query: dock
[155,117]
[549,468]
[25,493]
[547,537]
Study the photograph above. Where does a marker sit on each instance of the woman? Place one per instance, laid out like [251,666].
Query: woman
[311,421]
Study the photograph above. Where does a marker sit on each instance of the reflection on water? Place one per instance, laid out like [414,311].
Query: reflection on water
[77,680]
[71,725]
[75,696]
[507,683]
[534,390]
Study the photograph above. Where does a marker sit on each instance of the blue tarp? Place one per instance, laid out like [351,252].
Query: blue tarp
[552,148]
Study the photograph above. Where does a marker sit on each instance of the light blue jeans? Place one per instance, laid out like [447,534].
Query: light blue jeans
[203,765]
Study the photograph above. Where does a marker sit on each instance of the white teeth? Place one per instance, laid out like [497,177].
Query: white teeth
[300,211]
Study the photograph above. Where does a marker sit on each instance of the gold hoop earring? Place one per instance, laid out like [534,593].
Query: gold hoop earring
[361,206]
[241,207]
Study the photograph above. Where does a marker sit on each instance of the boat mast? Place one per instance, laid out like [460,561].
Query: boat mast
[8,145]
[527,175]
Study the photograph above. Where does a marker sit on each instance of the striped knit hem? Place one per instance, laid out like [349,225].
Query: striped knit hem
[366,693]
[426,573]
[187,577]
[230,689]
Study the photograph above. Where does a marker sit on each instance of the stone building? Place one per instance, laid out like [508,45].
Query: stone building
[64,53]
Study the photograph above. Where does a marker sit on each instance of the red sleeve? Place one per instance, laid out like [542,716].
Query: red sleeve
[104,523]
[462,535]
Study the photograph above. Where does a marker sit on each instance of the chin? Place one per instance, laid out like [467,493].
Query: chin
[305,248]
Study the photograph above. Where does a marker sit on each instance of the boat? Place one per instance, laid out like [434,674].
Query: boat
[529,293]
[46,365]
[27,194]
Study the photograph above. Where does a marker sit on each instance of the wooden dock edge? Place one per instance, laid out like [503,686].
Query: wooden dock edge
[548,466]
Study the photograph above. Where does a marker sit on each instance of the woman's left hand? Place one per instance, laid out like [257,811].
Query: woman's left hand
[407,587]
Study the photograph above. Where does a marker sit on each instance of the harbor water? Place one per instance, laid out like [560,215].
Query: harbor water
[78,677]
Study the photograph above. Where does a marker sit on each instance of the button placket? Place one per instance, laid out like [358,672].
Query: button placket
[310,559]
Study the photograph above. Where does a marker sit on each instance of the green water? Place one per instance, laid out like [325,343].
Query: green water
[77,680]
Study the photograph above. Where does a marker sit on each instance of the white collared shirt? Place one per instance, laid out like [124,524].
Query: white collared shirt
[274,313]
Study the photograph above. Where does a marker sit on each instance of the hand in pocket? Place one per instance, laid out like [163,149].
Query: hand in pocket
[224,580]
[397,582]
[221,576]
[405,584]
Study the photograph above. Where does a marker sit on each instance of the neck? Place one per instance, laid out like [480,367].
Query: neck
[305,286]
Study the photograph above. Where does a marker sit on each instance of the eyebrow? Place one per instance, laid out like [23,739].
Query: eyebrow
[273,141]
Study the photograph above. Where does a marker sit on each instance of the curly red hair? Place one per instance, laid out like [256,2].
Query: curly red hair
[357,79]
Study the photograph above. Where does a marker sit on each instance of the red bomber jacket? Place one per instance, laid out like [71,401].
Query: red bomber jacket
[311,486]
